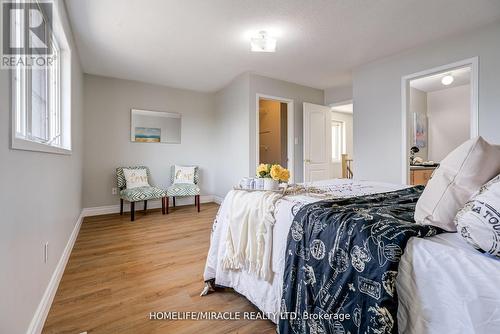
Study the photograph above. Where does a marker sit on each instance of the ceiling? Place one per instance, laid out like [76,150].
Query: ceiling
[432,83]
[202,45]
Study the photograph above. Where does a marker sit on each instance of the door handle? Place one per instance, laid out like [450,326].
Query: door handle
[307,161]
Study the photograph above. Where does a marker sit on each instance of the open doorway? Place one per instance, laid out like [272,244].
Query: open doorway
[328,141]
[273,132]
[275,141]
[342,139]
[440,110]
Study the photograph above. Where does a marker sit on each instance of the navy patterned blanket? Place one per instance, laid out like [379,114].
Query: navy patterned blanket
[342,260]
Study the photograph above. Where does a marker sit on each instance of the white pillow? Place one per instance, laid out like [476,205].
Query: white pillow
[184,174]
[479,220]
[459,175]
[135,178]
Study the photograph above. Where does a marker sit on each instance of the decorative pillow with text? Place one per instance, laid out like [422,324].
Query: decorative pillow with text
[478,222]
[136,178]
[184,174]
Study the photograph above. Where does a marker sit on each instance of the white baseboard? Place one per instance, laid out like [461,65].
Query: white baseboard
[43,308]
[218,199]
[155,204]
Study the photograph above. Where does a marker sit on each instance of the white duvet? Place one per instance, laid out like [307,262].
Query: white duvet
[443,283]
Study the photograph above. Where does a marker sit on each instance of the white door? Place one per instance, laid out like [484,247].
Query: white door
[317,142]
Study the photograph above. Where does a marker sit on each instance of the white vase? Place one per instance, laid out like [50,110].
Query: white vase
[270,184]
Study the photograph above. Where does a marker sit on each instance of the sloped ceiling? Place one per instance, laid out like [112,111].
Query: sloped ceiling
[203,44]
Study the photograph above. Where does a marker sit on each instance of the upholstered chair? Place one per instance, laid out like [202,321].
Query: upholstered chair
[138,194]
[184,189]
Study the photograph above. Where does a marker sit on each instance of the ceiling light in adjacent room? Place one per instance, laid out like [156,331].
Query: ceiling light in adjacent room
[447,80]
[262,42]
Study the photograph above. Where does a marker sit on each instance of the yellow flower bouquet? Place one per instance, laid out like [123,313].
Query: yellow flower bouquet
[273,171]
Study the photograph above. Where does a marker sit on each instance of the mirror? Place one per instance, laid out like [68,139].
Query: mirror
[155,127]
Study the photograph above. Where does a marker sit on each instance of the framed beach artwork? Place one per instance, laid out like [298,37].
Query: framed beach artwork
[147,135]
[147,126]
[420,130]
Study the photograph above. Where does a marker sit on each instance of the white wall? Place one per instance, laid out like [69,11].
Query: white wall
[338,94]
[232,134]
[218,131]
[235,125]
[349,146]
[40,201]
[299,94]
[377,96]
[448,111]
[340,90]
[107,135]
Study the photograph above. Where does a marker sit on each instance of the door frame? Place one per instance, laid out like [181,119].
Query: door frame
[290,130]
[473,63]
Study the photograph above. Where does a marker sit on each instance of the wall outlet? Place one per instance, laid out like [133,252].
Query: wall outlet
[114,191]
[46,252]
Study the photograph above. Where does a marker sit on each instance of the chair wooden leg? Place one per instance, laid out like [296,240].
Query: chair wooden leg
[166,204]
[145,206]
[163,205]
[121,206]
[195,200]
[132,211]
[173,201]
[198,201]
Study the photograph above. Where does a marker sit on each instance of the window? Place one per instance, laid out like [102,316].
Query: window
[38,119]
[338,140]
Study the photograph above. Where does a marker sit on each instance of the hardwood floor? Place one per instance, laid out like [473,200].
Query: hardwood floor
[120,271]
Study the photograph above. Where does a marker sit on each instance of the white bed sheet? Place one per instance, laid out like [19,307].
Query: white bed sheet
[444,285]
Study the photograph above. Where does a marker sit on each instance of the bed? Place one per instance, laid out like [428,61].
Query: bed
[458,295]
[446,286]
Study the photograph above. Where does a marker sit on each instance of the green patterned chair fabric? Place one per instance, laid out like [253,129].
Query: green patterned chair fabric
[137,194]
[142,194]
[184,189]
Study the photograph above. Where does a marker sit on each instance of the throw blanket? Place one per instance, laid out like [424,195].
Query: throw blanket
[249,237]
[342,262]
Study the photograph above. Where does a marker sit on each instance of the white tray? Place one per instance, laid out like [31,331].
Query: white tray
[280,190]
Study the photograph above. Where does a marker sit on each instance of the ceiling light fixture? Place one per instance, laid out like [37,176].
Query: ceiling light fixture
[447,80]
[262,42]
